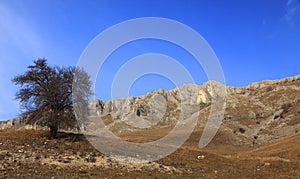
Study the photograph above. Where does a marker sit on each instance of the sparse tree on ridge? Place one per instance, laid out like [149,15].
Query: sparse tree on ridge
[46,94]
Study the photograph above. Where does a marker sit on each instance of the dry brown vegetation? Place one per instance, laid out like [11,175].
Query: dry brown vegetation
[29,154]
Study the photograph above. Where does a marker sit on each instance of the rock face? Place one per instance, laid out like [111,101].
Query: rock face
[17,122]
[157,108]
[256,114]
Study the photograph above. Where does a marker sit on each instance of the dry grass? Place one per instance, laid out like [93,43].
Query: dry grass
[277,160]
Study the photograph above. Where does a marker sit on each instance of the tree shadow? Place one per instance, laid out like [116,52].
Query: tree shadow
[73,137]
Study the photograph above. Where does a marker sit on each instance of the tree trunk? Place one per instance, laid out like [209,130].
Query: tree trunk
[53,132]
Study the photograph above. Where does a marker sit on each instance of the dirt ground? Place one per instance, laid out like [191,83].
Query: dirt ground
[29,154]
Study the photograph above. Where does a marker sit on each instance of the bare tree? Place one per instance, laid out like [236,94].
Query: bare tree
[46,94]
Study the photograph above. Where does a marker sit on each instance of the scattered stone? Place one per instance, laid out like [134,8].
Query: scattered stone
[201,157]
[90,159]
[67,160]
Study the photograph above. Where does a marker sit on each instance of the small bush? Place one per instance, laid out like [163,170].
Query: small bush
[242,130]
[286,107]
[270,88]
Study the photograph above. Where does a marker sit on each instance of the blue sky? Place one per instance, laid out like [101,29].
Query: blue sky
[254,40]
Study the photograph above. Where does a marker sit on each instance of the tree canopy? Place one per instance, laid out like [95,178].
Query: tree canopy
[46,94]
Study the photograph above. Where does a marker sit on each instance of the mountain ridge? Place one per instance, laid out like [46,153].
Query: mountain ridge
[256,114]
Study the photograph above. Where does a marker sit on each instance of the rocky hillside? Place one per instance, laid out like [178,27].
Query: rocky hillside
[256,114]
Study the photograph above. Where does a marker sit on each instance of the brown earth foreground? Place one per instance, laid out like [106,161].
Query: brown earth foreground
[29,154]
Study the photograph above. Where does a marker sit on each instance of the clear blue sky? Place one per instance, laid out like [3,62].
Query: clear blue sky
[253,39]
